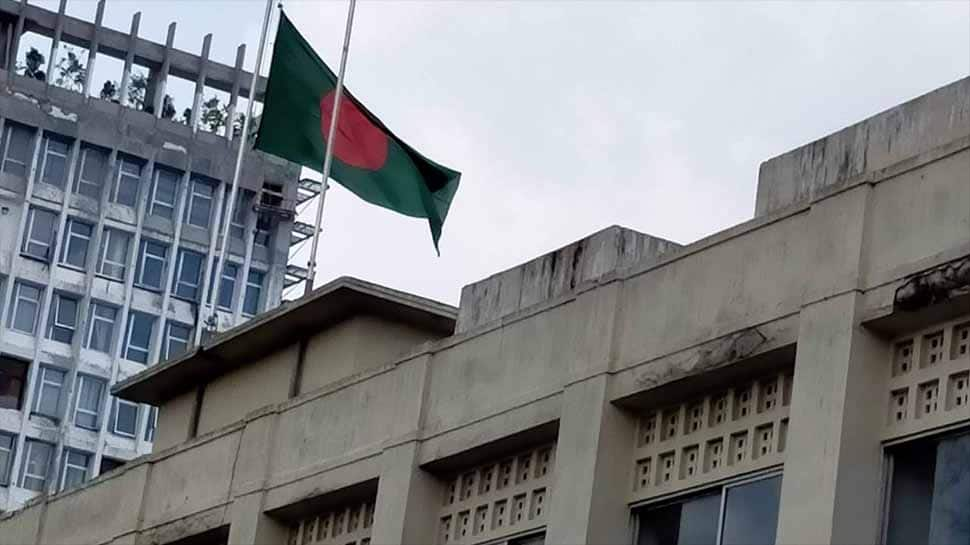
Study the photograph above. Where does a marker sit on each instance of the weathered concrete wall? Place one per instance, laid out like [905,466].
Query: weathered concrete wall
[175,421]
[910,129]
[555,274]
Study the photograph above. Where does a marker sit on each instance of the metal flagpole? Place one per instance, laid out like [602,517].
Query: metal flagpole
[328,157]
[229,208]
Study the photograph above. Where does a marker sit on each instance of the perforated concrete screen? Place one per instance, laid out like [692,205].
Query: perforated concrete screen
[345,525]
[498,499]
[930,384]
[724,433]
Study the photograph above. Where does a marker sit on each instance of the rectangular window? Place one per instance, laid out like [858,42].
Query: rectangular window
[13,376]
[102,327]
[254,293]
[930,491]
[7,443]
[54,167]
[238,226]
[189,273]
[126,183]
[151,264]
[108,464]
[152,424]
[177,339]
[16,155]
[94,163]
[125,419]
[139,336]
[39,234]
[743,513]
[114,254]
[263,227]
[37,461]
[63,319]
[164,193]
[75,468]
[227,290]
[76,242]
[90,392]
[26,303]
[49,389]
[199,210]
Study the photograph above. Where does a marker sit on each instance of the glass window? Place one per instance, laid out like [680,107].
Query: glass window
[254,292]
[102,327]
[152,424]
[7,443]
[25,306]
[63,319]
[746,513]
[37,461]
[114,254]
[263,230]
[49,388]
[227,290]
[238,226]
[164,193]
[13,376]
[189,274]
[75,469]
[126,183]
[76,242]
[200,203]
[89,394]
[139,336]
[16,156]
[177,339]
[54,168]
[94,163]
[39,234]
[125,418]
[151,264]
[930,491]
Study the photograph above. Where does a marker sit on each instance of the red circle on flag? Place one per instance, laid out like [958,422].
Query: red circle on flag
[357,142]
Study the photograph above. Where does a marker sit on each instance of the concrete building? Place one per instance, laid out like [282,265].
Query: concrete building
[803,377]
[109,223]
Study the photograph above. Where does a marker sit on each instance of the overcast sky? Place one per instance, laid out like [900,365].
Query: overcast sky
[567,117]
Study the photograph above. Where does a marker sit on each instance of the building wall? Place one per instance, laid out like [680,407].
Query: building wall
[46,110]
[792,318]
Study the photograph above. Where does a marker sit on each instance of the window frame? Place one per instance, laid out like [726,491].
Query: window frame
[70,236]
[257,287]
[24,475]
[28,240]
[15,307]
[129,329]
[108,235]
[7,137]
[81,181]
[151,424]
[179,270]
[42,381]
[6,472]
[112,324]
[122,176]
[169,338]
[196,196]
[143,256]
[118,402]
[55,316]
[47,152]
[640,508]
[67,465]
[82,380]
[154,201]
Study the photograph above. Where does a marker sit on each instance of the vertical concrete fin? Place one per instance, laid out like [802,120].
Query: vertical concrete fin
[129,59]
[158,81]
[56,42]
[93,51]
[200,83]
[234,95]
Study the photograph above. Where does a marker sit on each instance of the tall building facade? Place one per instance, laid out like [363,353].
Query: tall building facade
[800,378]
[111,213]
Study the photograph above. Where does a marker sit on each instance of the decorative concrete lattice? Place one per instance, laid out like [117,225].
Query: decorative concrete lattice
[497,499]
[936,392]
[721,434]
[344,525]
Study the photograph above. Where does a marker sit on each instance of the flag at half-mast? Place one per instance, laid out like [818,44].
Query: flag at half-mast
[368,159]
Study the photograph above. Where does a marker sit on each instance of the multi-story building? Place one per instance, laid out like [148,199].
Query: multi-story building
[110,224]
[803,378]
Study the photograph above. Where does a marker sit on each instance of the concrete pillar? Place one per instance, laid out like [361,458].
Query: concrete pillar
[594,454]
[831,492]
[249,525]
[408,499]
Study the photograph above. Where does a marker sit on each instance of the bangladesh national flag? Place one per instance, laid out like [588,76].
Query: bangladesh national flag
[367,158]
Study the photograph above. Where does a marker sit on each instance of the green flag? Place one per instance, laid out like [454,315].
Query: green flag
[367,158]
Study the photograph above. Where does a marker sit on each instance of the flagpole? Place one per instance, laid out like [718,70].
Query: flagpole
[234,187]
[328,157]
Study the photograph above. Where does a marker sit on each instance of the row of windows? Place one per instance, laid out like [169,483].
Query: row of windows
[162,195]
[35,470]
[151,265]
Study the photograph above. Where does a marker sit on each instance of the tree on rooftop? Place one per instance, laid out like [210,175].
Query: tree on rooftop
[213,115]
[70,71]
[137,88]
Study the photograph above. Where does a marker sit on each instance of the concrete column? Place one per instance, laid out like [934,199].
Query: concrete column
[831,492]
[249,524]
[593,457]
[407,499]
